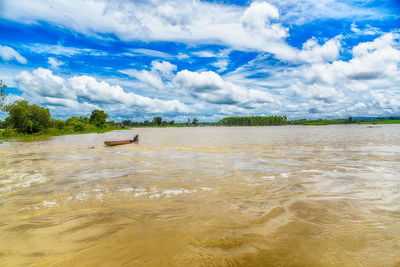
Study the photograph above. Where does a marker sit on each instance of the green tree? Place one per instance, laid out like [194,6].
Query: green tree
[98,118]
[171,122]
[27,118]
[79,126]
[112,123]
[3,95]
[253,121]
[350,120]
[157,121]
[59,124]
[188,121]
[195,122]
[3,124]
[72,121]
[127,123]
[84,119]
[41,118]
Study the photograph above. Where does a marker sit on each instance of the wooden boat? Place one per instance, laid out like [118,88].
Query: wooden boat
[122,142]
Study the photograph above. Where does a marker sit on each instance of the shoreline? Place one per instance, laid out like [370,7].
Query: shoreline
[39,136]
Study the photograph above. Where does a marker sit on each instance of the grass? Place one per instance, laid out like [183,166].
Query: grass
[7,134]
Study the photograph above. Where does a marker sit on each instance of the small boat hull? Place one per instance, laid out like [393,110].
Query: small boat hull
[115,143]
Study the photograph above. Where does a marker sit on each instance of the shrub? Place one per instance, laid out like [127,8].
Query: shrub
[79,127]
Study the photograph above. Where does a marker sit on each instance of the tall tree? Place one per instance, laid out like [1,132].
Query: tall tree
[195,121]
[157,121]
[98,118]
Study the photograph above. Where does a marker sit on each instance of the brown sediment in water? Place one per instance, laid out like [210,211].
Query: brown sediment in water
[251,196]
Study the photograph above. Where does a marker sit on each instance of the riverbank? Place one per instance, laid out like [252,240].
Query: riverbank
[7,134]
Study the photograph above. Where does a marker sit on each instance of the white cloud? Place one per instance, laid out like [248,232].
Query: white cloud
[210,87]
[7,53]
[42,82]
[85,92]
[367,84]
[368,30]
[244,28]
[221,65]
[204,54]
[258,14]
[54,63]
[148,77]
[182,56]
[312,52]
[159,71]
[164,68]
[305,11]
[59,49]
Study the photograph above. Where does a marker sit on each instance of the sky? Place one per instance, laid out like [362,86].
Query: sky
[206,59]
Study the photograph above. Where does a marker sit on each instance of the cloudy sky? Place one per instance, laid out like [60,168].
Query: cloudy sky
[206,59]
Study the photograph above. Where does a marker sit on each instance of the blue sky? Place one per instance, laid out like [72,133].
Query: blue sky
[205,59]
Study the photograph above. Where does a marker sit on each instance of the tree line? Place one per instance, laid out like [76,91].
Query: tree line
[157,121]
[253,121]
[25,118]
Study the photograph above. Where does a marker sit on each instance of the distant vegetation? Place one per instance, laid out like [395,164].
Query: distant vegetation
[350,120]
[253,121]
[321,121]
[32,120]
[159,122]
[25,119]
[29,120]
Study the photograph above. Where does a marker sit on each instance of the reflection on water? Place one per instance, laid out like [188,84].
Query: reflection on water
[292,195]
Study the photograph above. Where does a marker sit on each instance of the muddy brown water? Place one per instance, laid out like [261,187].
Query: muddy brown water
[205,196]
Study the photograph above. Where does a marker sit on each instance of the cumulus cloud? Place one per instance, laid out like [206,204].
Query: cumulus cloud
[159,71]
[43,87]
[206,86]
[258,14]
[366,84]
[312,52]
[210,87]
[148,77]
[8,53]
[313,79]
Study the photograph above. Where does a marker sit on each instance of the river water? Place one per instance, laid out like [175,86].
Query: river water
[205,196]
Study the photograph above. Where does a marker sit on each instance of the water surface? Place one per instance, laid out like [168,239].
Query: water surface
[259,196]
